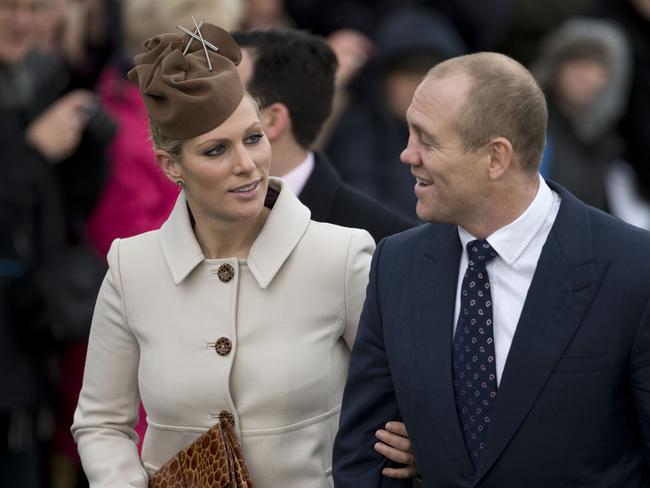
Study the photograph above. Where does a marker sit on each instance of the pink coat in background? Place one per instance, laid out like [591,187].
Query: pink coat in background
[137,197]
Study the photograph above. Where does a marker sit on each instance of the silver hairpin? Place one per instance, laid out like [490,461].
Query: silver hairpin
[187,48]
[199,37]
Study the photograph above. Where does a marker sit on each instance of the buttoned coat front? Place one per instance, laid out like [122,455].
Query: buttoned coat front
[287,317]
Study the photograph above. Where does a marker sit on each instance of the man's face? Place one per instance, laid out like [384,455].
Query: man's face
[451,184]
[17,22]
[579,82]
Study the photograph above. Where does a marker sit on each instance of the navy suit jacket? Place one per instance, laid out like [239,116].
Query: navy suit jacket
[573,406]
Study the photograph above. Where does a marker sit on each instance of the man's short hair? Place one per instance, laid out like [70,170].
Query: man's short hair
[296,69]
[503,100]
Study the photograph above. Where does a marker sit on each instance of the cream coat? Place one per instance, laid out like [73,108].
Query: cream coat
[291,312]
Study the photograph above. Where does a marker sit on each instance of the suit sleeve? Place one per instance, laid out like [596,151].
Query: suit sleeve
[368,401]
[640,371]
[356,279]
[108,403]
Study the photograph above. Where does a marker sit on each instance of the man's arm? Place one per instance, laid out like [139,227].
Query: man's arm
[368,401]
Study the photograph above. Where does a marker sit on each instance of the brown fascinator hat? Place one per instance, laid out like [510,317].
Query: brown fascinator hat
[189,80]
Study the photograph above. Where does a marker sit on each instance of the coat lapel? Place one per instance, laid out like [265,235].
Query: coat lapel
[565,282]
[433,308]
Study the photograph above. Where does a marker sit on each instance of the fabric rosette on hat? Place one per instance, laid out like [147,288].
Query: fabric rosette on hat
[183,96]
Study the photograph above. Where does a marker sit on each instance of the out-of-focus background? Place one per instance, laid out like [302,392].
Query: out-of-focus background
[77,169]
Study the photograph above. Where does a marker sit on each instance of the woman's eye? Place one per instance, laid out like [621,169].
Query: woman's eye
[216,150]
[254,138]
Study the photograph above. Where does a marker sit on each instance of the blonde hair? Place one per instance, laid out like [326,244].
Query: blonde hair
[143,19]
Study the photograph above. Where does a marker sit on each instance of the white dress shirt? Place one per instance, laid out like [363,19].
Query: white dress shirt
[519,245]
[298,176]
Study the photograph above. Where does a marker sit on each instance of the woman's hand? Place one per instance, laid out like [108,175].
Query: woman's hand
[394,444]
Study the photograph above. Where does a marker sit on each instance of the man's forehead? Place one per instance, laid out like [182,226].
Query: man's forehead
[439,95]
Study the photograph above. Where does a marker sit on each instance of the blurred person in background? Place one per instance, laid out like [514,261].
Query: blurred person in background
[584,69]
[51,154]
[633,16]
[369,137]
[292,74]
[265,14]
[530,20]
[83,34]
[482,25]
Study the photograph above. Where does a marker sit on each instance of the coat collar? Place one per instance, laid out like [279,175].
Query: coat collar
[281,233]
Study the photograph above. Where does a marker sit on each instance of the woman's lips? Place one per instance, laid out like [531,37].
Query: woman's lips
[246,191]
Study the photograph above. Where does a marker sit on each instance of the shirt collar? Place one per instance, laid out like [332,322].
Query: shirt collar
[511,240]
[298,176]
[284,227]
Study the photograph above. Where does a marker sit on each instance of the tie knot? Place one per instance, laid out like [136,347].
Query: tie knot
[480,253]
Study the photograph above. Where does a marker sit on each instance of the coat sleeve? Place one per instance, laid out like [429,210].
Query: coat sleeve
[368,401]
[357,268]
[640,371]
[108,404]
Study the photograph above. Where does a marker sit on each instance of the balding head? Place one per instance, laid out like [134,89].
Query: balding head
[502,100]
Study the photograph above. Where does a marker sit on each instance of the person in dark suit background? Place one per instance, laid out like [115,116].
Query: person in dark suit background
[292,74]
[511,333]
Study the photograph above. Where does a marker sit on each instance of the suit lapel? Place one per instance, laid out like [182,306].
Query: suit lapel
[321,188]
[433,308]
[565,282]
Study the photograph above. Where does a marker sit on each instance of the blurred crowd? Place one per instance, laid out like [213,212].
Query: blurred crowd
[78,169]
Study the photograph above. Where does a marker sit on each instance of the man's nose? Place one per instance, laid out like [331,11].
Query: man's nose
[409,155]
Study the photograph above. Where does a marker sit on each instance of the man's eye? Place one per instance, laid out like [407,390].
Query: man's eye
[428,143]
[254,138]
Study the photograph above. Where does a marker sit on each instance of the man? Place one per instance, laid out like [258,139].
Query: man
[292,74]
[512,334]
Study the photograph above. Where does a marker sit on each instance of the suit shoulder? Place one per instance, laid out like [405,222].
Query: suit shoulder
[417,240]
[617,239]
[421,233]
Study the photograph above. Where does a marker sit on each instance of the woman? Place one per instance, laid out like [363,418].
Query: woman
[239,306]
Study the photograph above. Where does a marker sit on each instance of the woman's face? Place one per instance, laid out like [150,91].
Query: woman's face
[226,170]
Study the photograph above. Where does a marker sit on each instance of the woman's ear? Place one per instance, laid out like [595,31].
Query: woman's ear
[169,166]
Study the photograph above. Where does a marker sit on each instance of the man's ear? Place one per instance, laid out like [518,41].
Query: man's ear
[168,165]
[501,157]
[276,120]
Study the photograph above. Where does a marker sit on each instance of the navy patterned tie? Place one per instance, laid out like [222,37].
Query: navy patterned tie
[475,380]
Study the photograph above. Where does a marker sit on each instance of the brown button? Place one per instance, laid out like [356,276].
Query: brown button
[227,416]
[223,346]
[225,272]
